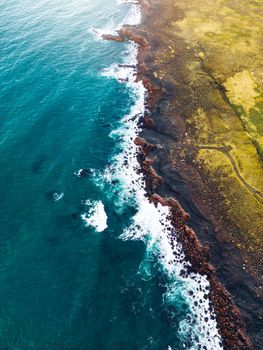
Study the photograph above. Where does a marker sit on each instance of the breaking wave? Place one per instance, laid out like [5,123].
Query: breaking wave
[151,224]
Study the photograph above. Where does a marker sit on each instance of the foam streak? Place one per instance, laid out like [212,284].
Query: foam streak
[151,224]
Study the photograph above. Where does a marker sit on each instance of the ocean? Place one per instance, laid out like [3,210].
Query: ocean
[86,262]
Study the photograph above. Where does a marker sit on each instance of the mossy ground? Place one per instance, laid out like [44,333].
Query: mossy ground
[211,51]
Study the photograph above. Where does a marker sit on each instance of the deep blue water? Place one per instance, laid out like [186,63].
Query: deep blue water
[63,284]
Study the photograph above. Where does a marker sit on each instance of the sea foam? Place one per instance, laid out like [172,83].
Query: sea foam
[96,215]
[133,17]
[151,224]
[57,196]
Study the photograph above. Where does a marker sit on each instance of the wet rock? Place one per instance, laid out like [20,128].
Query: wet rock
[84,172]
[55,196]
[148,122]
[129,34]
[111,37]
[146,147]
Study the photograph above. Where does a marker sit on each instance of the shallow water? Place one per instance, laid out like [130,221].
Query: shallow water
[80,262]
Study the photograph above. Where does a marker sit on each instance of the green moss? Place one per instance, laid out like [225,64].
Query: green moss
[221,63]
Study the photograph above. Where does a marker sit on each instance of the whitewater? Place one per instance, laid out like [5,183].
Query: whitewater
[87,262]
[151,222]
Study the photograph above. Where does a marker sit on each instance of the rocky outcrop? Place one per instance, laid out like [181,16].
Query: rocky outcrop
[231,326]
[111,37]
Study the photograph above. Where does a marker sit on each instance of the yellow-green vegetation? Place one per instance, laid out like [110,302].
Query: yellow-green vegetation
[247,97]
[213,53]
[229,34]
[227,38]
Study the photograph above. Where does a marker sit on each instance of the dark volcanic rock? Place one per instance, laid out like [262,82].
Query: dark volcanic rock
[84,172]
[111,37]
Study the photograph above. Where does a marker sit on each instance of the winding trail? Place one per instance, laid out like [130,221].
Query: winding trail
[225,150]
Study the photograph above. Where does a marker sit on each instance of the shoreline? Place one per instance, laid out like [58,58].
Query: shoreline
[230,323]
[198,248]
[211,249]
[195,287]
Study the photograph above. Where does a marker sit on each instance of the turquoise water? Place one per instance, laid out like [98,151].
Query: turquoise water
[80,263]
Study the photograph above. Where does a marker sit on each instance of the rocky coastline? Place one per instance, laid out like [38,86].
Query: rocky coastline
[231,326]
[235,292]
[231,283]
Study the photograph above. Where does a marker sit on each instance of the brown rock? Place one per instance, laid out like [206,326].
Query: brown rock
[148,122]
[111,37]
